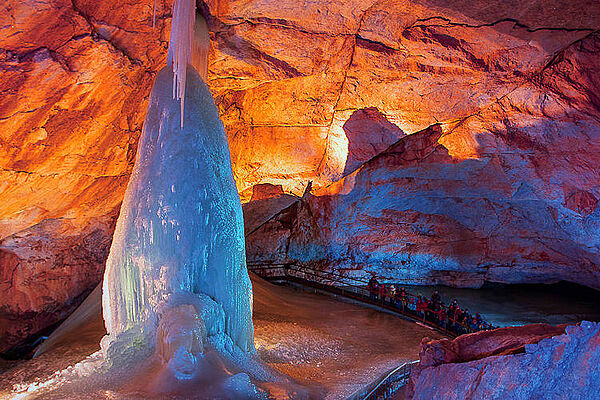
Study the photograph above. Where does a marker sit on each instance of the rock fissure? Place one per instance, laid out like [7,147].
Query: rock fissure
[97,34]
[20,112]
[492,24]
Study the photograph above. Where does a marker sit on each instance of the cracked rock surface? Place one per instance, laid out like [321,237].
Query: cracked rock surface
[310,91]
[74,79]
[503,188]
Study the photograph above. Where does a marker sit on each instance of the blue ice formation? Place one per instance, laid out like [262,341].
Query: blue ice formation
[179,239]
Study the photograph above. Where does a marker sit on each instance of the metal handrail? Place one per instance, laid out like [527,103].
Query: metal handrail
[314,272]
[291,266]
[329,280]
[391,382]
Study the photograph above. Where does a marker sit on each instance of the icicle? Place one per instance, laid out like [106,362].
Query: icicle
[200,47]
[180,45]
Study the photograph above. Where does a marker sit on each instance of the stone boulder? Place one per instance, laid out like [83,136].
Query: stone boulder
[482,344]
[565,366]
[46,272]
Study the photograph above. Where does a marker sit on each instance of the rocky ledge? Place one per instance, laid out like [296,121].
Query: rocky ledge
[529,362]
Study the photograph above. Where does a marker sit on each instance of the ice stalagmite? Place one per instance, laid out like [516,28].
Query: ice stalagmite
[179,239]
[176,283]
[176,295]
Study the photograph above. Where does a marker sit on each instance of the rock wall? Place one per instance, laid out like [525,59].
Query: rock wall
[74,81]
[505,190]
[417,215]
[561,367]
[308,91]
[289,77]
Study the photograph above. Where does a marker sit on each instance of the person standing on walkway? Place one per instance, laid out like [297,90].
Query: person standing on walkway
[436,300]
[443,317]
[421,306]
[393,294]
[382,292]
[373,287]
[403,298]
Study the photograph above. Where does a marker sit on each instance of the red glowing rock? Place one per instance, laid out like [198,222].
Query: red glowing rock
[581,201]
[548,362]
[478,345]
[266,191]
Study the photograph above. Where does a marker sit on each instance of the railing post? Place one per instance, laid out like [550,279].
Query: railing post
[286,272]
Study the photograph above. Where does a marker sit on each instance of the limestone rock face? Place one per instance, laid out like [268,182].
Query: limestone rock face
[561,367]
[507,193]
[504,191]
[74,81]
[289,77]
[482,344]
[309,92]
[417,214]
[46,271]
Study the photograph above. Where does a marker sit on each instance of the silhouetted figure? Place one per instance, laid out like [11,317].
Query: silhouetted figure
[436,299]
[479,321]
[420,306]
[443,315]
[373,287]
[393,295]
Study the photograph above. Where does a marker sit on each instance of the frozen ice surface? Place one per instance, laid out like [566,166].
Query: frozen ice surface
[181,340]
[239,386]
[180,231]
[200,47]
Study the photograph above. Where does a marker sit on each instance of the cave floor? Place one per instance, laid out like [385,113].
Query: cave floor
[323,342]
[333,348]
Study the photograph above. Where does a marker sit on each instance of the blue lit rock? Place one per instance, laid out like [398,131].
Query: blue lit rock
[506,195]
[561,367]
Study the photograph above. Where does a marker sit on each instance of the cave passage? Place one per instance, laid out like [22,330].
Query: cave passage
[521,304]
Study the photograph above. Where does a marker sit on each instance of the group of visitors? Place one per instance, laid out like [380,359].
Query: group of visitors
[451,317]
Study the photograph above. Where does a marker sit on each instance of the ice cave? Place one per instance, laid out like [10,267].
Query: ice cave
[257,199]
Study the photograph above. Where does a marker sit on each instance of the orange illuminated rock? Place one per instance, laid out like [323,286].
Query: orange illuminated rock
[288,68]
[74,78]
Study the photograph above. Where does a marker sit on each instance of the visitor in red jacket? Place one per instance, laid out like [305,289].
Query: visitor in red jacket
[382,292]
[443,317]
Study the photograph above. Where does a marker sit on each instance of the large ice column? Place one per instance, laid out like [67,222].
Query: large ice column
[180,232]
